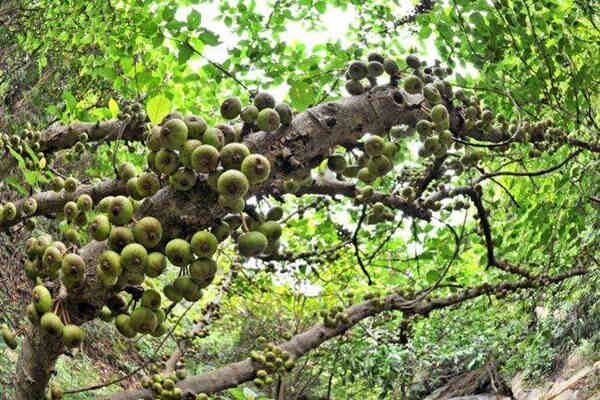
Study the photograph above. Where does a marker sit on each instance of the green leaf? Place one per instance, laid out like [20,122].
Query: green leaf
[113,107]
[432,276]
[208,37]
[157,108]
[193,20]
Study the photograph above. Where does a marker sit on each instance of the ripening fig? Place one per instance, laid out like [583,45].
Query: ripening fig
[148,232]
[9,211]
[214,137]
[257,168]
[120,210]
[268,120]
[389,150]
[424,127]
[153,138]
[103,205]
[119,237]
[71,184]
[232,205]
[264,100]
[391,67]
[357,70]
[222,231]
[232,184]
[186,152]
[172,293]
[204,244]
[166,161]
[354,87]
[178,252]
[413,61]
[109,267]
[375,69]
[231,108]
[52,325]
[202,271]
[183,179]
[30,206]
[196,126]
[275,214]
[173,134]
[123,324]
[32,314]
[285,113]
[151,299]
[126,171]
[379,165]
[205,158]
[188,288]
[233,154]
[132,189]
[85,202]
[72,269]
[147,184]
[156,263]
[231,133]
[110,262]
[413,85]
[143,320]
[439,114]
[73,335]
[133,257]
[431,93]
[374,145]
[252,243]
[9,337]
[134,278]
[375,57]
[398,131]
[57,183]
[365,175]
[99,227]
[42,299]
[408,193]
[249,114]
[52,259]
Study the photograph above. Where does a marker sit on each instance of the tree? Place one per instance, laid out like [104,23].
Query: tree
[219,182]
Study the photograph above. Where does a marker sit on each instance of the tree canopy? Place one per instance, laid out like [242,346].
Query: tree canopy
[293,198]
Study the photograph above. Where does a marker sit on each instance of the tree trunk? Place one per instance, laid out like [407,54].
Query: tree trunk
[35,365]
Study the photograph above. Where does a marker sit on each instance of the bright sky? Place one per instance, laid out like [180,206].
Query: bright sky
[297,31]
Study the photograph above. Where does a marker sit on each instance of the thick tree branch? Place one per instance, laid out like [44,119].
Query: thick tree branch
[237,373]
[59,137]
[64,136]
[51,202]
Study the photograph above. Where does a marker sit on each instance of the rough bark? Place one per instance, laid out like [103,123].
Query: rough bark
[35,364]
[64,136]
[294,149]
[59,137]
